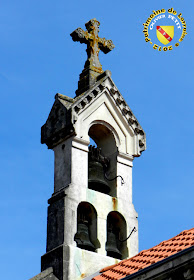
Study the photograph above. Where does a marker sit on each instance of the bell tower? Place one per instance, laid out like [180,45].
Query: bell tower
[95,137]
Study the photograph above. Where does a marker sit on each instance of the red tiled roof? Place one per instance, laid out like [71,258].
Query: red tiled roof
[148,257]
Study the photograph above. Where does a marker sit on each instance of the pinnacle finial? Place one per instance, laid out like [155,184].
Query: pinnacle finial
[92,67]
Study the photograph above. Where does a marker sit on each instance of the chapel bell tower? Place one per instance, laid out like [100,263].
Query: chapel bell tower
[95,137]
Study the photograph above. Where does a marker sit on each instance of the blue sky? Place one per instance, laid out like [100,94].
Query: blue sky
[39,59]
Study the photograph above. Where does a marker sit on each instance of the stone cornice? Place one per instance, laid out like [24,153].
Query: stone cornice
[125,159]
[80,144]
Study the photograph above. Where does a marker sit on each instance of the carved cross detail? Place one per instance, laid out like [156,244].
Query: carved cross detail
[94,44]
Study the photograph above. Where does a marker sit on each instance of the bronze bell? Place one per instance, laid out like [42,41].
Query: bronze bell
[82,236]
[111,246]
[97,165]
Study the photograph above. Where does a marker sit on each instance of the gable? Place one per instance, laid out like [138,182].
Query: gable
[104,103]
[58,125]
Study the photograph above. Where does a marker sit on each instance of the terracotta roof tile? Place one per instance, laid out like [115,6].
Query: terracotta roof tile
[146,258]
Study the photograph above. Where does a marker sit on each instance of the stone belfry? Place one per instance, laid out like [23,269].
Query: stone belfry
[95,137]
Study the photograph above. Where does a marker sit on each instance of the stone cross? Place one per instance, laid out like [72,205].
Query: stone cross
[94,44]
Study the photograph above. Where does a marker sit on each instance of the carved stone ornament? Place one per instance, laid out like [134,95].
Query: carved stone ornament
[92,67]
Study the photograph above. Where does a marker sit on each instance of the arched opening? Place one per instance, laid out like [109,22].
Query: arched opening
[86,236]
[116,247]
[102,159]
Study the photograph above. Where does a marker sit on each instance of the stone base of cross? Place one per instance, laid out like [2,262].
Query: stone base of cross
[86,80]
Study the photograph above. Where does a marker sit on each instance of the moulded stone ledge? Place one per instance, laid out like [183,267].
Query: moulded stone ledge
[47,274]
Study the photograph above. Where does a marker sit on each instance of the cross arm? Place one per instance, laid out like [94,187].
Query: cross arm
[80,35]
[106,45]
